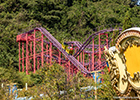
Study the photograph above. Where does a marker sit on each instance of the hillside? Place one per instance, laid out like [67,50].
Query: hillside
[67,20]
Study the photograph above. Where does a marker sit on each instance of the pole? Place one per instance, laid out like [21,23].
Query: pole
[92,66]
[47,53]
[19,56]
[50,53]
[31,53]
[34,53]
[83,57]
[37,63]
[2,85]
[68,69]
[26,86]
[99,60]
[42,50]
[96,82]
[59,57]
[22,56]
[27,54]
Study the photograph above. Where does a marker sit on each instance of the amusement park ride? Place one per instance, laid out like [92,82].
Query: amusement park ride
[38,46]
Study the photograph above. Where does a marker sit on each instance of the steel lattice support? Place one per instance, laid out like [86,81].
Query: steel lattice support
[38,47]
[92,68]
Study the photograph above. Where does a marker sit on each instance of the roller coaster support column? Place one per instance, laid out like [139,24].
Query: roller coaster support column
[83,57]
[34,53]
[99,60]
[47,53]
[59,57]
[37,63]
[42,50]
[92,67]
[107,41]
[78,57]
[19,57]
[89,62]
[68,69]
[31,54]
[22,56]
[27,54]
[50,52]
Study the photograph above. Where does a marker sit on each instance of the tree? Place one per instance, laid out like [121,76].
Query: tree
[127,23]
[106,90]
[56,85]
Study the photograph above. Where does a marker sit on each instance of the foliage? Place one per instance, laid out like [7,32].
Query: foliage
[51,80]
[68,20]
[57,85]
[11,75]
[4,94]
[127,23]
[54,83]
[106,92]
[8,75]
[30,79]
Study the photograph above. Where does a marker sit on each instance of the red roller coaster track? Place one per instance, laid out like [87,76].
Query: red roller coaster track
[38,46]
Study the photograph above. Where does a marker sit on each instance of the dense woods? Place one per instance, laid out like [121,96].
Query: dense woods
[64,19]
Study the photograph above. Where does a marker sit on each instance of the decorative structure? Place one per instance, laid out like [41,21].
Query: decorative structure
[38,46]
[124,63]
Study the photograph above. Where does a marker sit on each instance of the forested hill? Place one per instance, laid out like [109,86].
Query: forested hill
[67,19]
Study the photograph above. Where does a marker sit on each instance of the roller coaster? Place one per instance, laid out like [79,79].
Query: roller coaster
[38,46]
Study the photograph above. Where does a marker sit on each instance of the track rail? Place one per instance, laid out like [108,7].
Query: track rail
[85,44]
[58,45]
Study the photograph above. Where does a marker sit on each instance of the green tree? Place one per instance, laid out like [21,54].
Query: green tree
[127,23]
[106,90]
[55,84]
[56,80]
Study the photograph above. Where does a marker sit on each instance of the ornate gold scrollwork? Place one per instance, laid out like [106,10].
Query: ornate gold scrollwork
[121,79]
